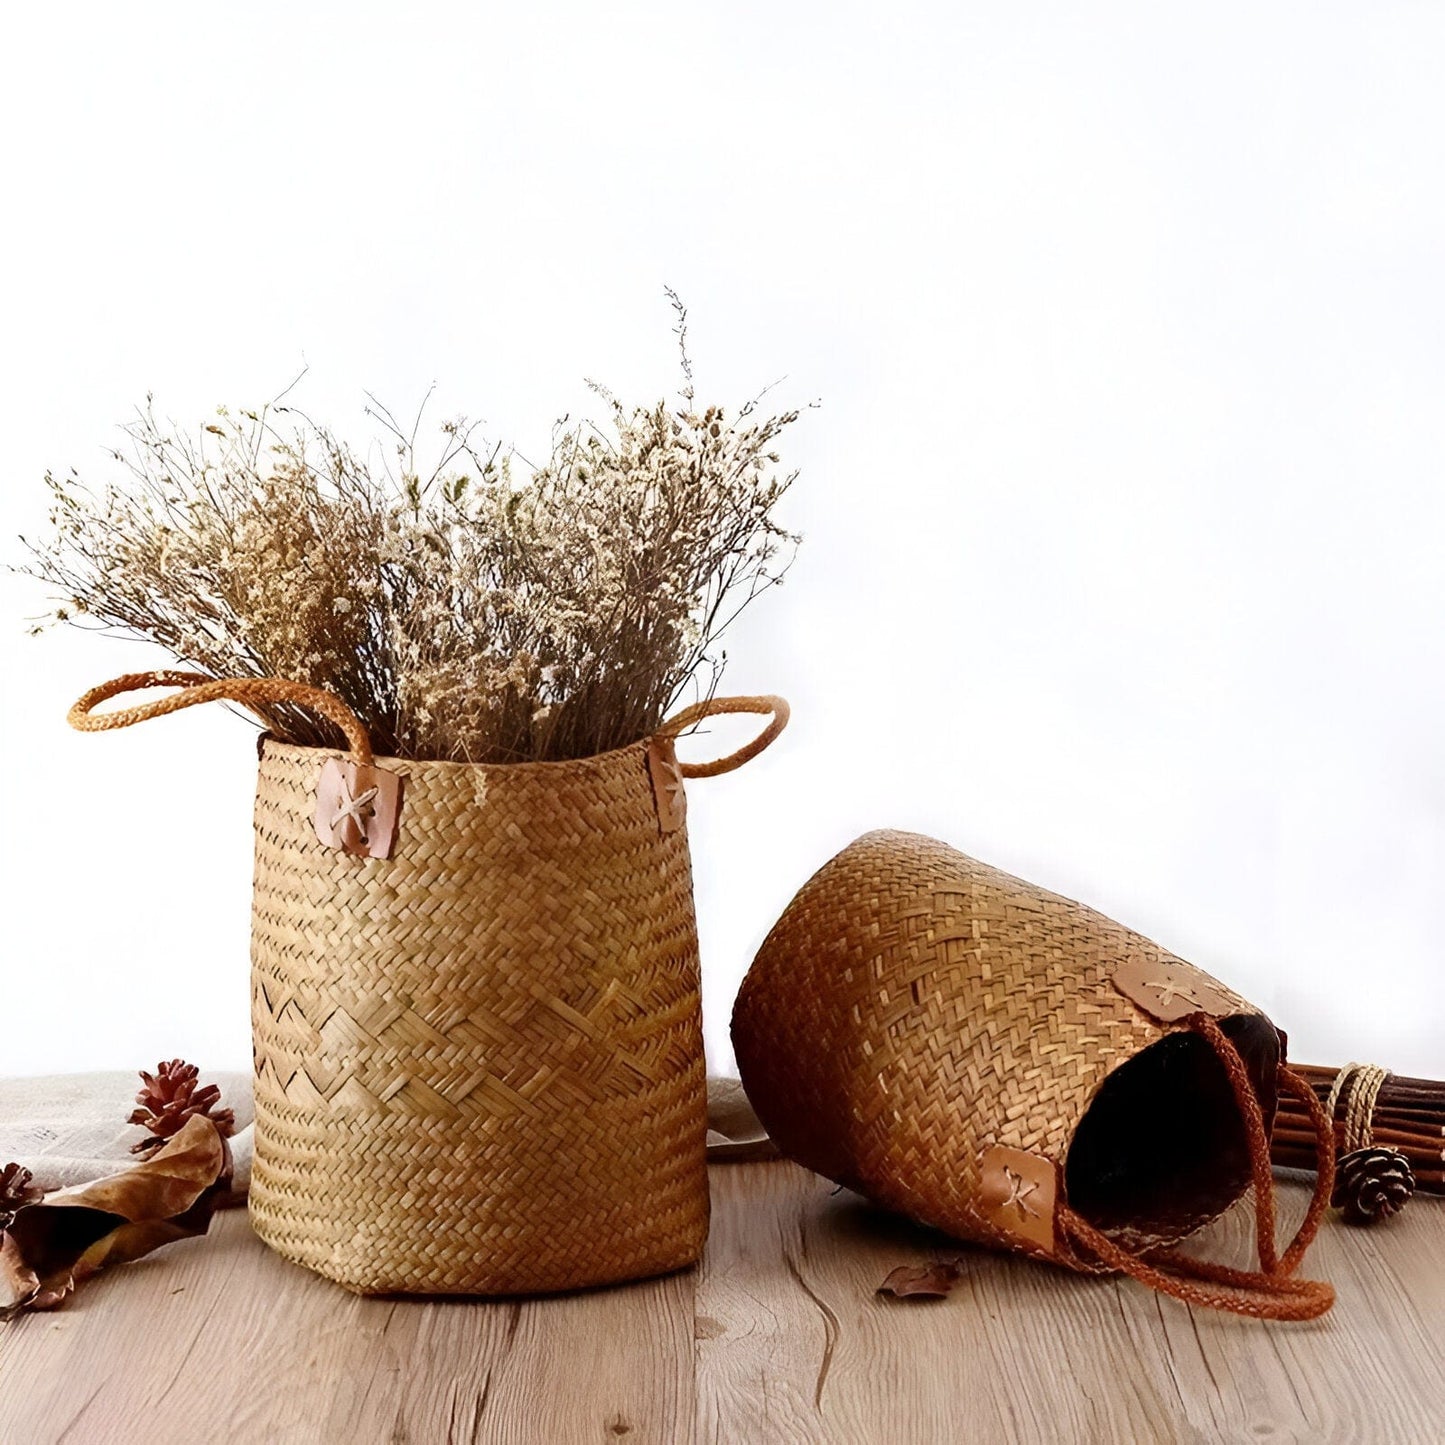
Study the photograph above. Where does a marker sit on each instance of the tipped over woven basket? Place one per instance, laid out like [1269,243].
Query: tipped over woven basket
[1016,1069]
[479,1063]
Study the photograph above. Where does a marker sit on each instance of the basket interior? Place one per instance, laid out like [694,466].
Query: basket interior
[1162,1146]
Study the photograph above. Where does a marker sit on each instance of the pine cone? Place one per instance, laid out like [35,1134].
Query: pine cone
[169,1097]
[16,1191]
[1372,1184]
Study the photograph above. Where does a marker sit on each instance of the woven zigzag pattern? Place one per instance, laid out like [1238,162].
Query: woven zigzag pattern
[479,1063]
[913,1008]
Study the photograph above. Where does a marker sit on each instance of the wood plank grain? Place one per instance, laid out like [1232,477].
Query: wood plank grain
[795,1345]
[1369,1370]
[827,1359]
[780,1336]
[220,1337]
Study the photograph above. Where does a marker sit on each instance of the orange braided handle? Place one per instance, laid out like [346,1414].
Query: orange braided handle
[1271,1292]
[709,707]
[196,687]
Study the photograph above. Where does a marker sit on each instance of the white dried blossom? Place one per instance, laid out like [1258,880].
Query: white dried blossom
[462,610]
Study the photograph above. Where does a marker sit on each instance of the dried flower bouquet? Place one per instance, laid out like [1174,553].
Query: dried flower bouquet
[464,611]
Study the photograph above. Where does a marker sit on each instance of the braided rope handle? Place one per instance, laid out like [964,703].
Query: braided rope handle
[196,688]
[1270,1292]
[764,705]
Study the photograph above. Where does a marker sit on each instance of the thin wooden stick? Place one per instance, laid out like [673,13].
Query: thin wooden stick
[1426,1114]
[1430,1158]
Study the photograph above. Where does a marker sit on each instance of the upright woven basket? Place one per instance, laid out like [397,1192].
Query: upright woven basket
[479,1062]
[1017,1069]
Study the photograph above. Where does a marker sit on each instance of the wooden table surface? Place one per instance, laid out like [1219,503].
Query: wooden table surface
[778,1336]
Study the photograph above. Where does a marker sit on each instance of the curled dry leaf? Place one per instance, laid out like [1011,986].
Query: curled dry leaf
[932,1281]
[52,1246]
[17,1189]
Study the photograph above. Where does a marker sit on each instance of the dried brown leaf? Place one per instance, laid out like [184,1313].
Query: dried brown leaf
[52,1246]
[17,1189]
[931,1281]
[19,1284]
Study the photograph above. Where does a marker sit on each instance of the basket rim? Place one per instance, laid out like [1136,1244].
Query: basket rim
[267,741]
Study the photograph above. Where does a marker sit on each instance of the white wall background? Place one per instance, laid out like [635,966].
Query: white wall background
[1124,508]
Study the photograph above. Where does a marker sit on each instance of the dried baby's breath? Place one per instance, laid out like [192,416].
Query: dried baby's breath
[469,609]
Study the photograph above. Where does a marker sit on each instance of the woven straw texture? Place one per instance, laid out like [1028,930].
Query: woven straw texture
[913,1008]
[479,1063]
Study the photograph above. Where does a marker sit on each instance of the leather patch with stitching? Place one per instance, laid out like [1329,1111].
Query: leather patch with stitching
[667,785]
[1169,991]
[1018,1194]
[357,808]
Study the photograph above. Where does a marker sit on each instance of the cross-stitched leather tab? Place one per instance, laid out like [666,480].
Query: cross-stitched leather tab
[1170,991]
[1018,1192]
[667,784]
[357,808]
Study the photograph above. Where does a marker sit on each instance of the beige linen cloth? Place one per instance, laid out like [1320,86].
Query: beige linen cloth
[71,1128]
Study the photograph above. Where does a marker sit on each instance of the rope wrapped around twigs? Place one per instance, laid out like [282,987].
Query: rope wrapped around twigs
[1389,1136]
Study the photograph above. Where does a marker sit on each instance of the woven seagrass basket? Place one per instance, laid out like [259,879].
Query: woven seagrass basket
[1018,1070]
[475,1007]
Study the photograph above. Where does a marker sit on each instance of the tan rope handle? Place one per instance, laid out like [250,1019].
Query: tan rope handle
[711,707]
[1270,1292]
[196,687]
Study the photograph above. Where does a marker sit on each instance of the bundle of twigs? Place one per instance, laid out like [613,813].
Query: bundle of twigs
[1372,1111]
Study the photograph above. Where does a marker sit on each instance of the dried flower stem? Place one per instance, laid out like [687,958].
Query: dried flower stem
[464,612]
